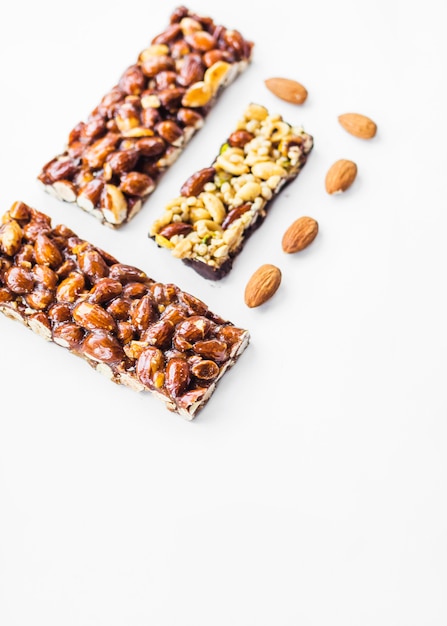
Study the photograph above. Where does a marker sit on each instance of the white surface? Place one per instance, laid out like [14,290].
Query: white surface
[312,488]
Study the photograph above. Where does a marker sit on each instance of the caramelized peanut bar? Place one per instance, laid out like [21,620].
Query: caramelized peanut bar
[139,332]
[221,205]
[114,160]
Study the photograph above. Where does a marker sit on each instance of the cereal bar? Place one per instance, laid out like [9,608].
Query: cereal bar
[220,206]
[137,331]
[114,159]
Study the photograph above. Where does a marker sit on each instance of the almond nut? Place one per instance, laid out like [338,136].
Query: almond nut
[235,214]
[46,252]
[39,299]
[96,154]
[340,176]
[191,70]
[159,334]
[299,235]
[262,285]
[177,376]
[136,184]
[69,289]
[10,238]
[170,132]
[113,204]
[68,334]
[103,347]
[105,290]
[358,125]
[239,138]
[92,317]
[200,40]
[154,64]
[287,89]
[197,181]
[211,349]
[175,228]
[19,280]
[144,313]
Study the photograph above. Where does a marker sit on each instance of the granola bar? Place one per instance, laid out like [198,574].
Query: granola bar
[220,206]
[115,158]
[138,332]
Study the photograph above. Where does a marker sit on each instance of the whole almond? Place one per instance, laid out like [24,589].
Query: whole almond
[287,89]
[197,181]
[136,184]
[10,238]
[299,235]
[262,285]
[169,131]
[358,125]
[92,317]
[177,376]
[46,251]
[175,228]
[103,347]
[340,176]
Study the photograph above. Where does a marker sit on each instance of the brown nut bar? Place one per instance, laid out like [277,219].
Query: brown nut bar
[114,160]
[135,330]
[221,205]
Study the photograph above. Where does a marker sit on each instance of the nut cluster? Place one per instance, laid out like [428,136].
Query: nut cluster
[139,332]
[220,204]
[114,159]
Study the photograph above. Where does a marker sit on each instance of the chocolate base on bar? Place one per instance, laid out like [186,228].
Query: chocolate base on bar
[114,160]
[220,206]
[137,331]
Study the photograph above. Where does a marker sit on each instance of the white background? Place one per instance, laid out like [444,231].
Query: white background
[311,490]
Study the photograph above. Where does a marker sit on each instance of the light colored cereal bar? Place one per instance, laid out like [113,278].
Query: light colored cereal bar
[220,206]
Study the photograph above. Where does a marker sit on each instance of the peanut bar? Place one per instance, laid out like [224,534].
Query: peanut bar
[114,160]
[137,331]
[220,206]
